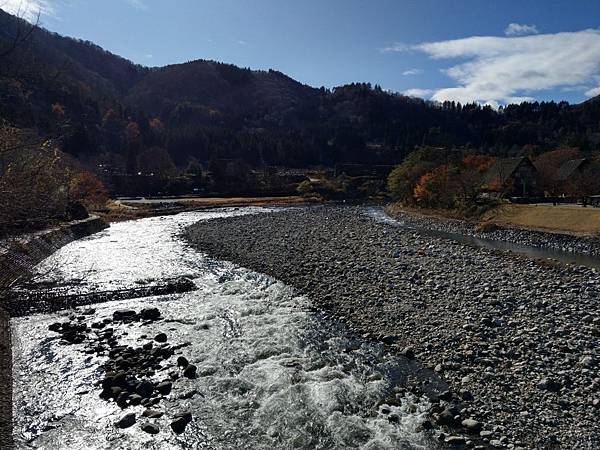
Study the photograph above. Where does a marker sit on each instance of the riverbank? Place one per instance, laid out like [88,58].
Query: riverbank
[514,339]
[495,225]
[17,257]
[139,208]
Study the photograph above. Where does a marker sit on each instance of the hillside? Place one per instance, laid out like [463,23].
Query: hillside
[207,110]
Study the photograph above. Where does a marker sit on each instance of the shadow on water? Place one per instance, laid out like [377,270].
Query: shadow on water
[537,253]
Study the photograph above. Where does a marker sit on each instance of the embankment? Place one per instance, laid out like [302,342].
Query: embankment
[17,257]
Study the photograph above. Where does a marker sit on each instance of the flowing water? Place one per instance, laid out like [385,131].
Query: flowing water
[529,251]
[272,374]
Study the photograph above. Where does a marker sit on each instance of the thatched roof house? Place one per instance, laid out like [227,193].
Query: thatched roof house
[511,176]
[571,168]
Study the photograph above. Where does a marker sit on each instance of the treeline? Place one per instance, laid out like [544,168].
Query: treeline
[221,127]
[461,179]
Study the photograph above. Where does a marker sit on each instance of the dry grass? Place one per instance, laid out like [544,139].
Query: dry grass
[118,212]
[556,219]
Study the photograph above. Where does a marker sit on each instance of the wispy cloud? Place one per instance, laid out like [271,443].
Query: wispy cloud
[422,93]
[139,4]
[518,29]
[27,9]
[396,47]
[500,70]
[412,72]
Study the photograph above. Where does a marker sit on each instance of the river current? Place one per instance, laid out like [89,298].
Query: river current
[273,374]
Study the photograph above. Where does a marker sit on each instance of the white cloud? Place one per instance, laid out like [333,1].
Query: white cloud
[27,9]
[412,72]
[505,70]
[592,92]
[422,93]
[518,29]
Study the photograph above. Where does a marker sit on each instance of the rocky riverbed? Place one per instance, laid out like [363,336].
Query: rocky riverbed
[586,245]
[516,340]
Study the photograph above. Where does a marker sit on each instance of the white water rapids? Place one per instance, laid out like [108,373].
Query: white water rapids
[272,374]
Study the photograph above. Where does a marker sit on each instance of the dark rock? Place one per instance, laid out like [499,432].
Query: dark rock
[190,371]
[160,337]
[178,425]
[55,326]
[126,421]
[122,399]
[150,428]
[548,384]
[152,413]
[150,313]
[164,388]
[145,389]
[135,399]
[123,314]
[182,362]
[446,417]
[185,415]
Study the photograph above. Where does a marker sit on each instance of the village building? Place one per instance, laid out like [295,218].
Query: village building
[512,177]
[571,169]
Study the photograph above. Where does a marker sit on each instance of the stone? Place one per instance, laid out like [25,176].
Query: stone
[164,388]
[150,313]
[178,425]
[548,384]
[190,371]
[124,314]
[145,389]
[135,399]
[472,425]
[160,337]
[150,428]
[182,362]
[455,440]
[152,413]
[126,421]
[185,415]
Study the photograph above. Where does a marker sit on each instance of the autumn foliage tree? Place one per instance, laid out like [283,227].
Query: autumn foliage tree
[87,189]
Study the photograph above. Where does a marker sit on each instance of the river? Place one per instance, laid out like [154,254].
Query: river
[272,373]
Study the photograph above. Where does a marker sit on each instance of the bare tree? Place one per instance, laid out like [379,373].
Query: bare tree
[23,32]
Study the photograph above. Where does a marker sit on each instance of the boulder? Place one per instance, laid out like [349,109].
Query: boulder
[190,371]
[126,421]
[178,425]
[150,428]
[160,337]
[150,313]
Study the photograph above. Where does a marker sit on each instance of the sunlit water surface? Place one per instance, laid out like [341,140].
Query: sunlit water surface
[272,374]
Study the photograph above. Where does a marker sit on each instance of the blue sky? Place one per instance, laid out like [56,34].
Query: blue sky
[492,51]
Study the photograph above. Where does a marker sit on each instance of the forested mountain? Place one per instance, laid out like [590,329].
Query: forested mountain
[110,111]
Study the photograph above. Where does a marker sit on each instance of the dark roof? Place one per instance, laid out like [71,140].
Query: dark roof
[569,168]
[504,168]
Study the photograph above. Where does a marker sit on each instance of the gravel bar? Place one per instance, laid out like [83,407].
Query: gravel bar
[517,340]
[586,245]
